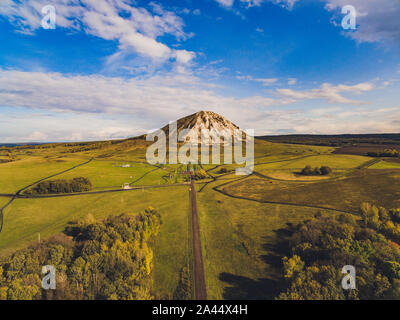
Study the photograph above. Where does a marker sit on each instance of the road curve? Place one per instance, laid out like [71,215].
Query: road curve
[17,194]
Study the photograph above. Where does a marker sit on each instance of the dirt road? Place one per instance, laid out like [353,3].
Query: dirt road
[199,280]
[18,193]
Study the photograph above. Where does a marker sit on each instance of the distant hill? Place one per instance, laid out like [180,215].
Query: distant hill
[10,145]
[388,139]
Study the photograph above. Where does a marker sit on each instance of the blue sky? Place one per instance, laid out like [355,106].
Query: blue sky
[117,68]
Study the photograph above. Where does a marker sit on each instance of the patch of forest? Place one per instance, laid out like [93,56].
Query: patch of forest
[94,259]
[79,184]
[336,140]
[317,171]
[389,153]
[322,246]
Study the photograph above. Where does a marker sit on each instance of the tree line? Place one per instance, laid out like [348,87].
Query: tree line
[390,153]
[79,184]
[317,171]
[336,140]
[94,259]
[320,247]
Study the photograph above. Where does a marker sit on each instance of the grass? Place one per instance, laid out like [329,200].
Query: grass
[18,174]
[289,175]
[332,161]
[241,258]
[380,187]
[241,239]
[153,177]
[108,174]
[386,164]
[267,149]
[25,218]
[3,201]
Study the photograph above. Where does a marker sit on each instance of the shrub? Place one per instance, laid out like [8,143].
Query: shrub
[307,171]
[322,171]
[325,170]
[222,170]
[391,153]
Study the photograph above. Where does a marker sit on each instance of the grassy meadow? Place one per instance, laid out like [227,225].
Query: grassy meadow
[26,218]
[3,201]
[381,188]
[106,174]
[242,219]
[242,257]
[18,174]
[386,164]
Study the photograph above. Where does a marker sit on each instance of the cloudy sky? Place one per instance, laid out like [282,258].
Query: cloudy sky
[118,68]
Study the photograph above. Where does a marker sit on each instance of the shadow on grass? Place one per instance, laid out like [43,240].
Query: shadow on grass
[263,288]
[279,249]
[243,288]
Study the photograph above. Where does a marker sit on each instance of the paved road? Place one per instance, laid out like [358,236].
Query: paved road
[199,279]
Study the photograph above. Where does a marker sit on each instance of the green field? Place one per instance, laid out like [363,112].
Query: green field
[110,174]
[386,164]
[241,218]
[380,187]
[25,219]
[3,201]
[267,149]
[337,161]
[18,174]
[241,258]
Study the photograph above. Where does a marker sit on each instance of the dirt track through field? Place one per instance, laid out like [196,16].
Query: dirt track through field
[199,279]
[17,194]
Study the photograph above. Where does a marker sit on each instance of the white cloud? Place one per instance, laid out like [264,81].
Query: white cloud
[164,97]
[184,56]
[37,136]
[252,3]
[97,107]
[53,127]
[328,92]
[292,81]
[283,3]
[338,121]
[135,29]
[256,3]
[265,81]
[377,21]
[225,3]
